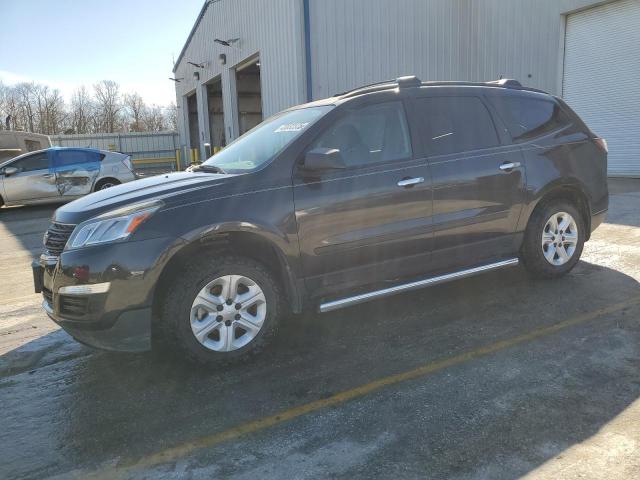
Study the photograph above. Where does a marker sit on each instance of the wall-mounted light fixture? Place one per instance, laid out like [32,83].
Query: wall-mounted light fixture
[226,43]
[222,59]
[196,76]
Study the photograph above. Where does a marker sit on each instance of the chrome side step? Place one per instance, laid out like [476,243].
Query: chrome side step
[427,282]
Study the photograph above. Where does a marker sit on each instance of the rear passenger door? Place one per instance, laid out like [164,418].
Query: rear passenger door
[478,180]
[76,171]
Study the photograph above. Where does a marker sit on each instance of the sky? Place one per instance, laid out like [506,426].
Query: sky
[68,43]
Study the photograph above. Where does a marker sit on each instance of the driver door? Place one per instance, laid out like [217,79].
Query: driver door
[371,221]
[34,181]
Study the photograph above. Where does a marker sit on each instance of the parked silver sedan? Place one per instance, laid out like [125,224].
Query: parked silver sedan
[61,174]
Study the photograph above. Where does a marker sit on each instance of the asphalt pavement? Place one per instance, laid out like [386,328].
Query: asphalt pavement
[493,377]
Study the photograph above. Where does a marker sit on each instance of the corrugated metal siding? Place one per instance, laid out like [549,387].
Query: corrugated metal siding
[602,78]
[271,28]
[137,144]
[356,42]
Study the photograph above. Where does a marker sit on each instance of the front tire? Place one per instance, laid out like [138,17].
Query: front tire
[222,309]
[554,239]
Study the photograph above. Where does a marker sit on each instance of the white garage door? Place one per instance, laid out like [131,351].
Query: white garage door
[602,78]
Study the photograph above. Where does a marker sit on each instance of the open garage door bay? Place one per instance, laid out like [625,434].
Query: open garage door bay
[602,78]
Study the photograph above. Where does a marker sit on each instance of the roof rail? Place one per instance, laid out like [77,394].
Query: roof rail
[506,82]
[408,81]
[401,82]
[413,81]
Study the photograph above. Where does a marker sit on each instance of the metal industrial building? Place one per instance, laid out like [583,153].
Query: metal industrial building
[247,59]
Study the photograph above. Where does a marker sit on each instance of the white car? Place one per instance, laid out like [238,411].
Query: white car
[61,174]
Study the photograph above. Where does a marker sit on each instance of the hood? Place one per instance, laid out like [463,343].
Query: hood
[172,188]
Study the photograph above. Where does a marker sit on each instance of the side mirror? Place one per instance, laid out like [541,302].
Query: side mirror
[324,159]
[10,171]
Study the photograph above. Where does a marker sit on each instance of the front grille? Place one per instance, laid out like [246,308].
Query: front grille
[56,238]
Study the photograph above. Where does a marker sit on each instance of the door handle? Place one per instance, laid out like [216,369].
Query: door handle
[508,166]
[48,175]
[409,182]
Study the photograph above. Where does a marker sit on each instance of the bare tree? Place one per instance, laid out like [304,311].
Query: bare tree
[154,119]
[108,104]
[4,90]
[50,109]
[42,109]
[136,109]
[25,106]
[171,116]
[11,107]
[82,110]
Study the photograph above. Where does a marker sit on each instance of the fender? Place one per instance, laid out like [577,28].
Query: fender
[559,183]
[285,246]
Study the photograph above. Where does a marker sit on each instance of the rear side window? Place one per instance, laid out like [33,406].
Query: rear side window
[527,118]
[371,134]
[65,158]
[455,124]
[71,157]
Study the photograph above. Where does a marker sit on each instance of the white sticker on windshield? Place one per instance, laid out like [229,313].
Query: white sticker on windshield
[291,127]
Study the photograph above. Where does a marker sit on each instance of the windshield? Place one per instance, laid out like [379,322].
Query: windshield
[261,144]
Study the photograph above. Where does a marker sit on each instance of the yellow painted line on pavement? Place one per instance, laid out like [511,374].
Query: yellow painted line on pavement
[180,451]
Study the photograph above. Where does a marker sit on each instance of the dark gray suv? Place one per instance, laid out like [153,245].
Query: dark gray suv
[376,191]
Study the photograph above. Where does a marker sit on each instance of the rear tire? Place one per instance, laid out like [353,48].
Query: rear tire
[106,183]
[203,315]
[554,239]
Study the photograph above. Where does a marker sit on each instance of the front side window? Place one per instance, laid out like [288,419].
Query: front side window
[528,118]
[455,124]
[371,134]
[37,161]
[260,145]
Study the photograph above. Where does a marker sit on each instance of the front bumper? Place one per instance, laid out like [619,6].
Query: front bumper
[117,317]
[131,332]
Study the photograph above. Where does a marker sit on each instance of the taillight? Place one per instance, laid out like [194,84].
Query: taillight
[127,163]
[602,143]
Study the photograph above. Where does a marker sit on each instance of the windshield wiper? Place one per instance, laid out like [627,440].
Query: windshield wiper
[208,169]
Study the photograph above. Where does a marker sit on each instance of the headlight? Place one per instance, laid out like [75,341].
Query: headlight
[112,226]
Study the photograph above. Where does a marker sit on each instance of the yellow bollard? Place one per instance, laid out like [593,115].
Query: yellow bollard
[178,163]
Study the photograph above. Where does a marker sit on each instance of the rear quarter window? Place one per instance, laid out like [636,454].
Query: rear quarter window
[527,118]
